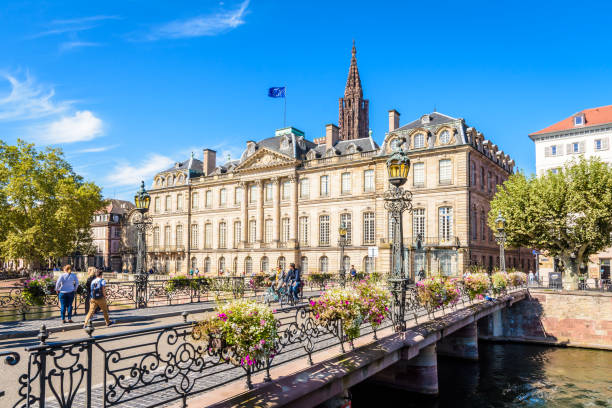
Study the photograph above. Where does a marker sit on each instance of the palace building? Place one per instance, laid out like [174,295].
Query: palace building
[284,199]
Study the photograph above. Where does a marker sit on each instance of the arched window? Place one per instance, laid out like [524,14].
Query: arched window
[265,264]
[323,264]
[419,141]
[368,264]
[282,262]
[445,137]
[167,265]
[248,266]
[221,265]
[207,265]
[445,223]
[194,263]
[304,265]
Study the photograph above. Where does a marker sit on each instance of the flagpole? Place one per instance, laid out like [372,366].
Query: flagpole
[285,110]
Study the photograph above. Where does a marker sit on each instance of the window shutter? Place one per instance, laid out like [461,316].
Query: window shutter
[581,147]
[547,151]
[604,143]
[568,148]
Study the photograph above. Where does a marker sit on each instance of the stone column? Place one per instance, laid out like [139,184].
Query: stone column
[419,374]
[294,212]
[245,213]
[461,344]
[498,328]
[260,211]
[277,200]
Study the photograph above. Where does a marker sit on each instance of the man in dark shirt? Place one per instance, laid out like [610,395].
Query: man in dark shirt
[293,280]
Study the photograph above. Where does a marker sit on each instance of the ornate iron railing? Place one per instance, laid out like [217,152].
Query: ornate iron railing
[161,365]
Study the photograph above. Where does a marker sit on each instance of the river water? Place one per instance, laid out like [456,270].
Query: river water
[509,375]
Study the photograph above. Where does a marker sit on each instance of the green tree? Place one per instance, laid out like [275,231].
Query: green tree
[45,207]
[566,214]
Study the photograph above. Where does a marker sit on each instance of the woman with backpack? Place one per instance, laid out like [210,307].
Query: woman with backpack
[98,299]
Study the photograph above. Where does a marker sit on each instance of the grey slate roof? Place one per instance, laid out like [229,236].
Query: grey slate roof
[196,167]
[436,118]
[365,144]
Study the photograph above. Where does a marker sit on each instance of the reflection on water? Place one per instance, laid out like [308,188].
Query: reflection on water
[509,375]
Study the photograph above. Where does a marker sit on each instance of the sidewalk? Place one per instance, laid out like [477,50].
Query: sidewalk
[31,328]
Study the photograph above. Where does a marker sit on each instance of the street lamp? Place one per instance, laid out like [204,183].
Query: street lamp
[500,238]
[398,200]
[342,244]
[142,200]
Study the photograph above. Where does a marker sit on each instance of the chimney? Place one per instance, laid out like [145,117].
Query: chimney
[332,134]
[393,120]
[210,162]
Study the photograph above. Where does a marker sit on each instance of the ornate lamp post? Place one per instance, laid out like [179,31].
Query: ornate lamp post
[398,200]
[342,244]
[142,223]
[500,238]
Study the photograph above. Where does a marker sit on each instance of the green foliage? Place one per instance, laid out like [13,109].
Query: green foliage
[180,282]
[437,291]
[568,214]
[499,282]
[45,208]
[319,279]
[476,284]
[36,290]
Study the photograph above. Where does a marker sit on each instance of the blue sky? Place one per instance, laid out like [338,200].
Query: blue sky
[126,88]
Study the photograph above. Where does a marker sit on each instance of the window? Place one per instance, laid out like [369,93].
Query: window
[578,120]
[179,235]
[368,264]
[324,186]
[601,144]
[194,263]
[303,231]
[179,202]
[446,264]
[207,265]
[598,144]
[324,230]
[346,219]
[268,195]
[208,199]
[445,171]
[268,231]
[490,182]
[473,173]
[368,228]
[346,263]
[282,262]
[304,265]
[235,265]
[445,223]
[418,222]
[368,181]
[482,178]
[252,231]
[483,226]
[167,235]
[222,197]
[418,174]
[575,147]
[286,187]
[419,262]
[194,236]
[556,170]
[265,264]
[238,195]
[156,207]
[252,194]
[474,224]
[156,236]
[445,137]
[179,265]
[285,223]
[237,233]
[304,188]
[553,150]
[208,235]
[194,201]
[222,235]
[346,183]
[323,264]
[419,141]
[248,266]
[168,206]
[222,264]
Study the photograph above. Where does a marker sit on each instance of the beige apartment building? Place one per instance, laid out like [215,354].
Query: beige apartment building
[284,199]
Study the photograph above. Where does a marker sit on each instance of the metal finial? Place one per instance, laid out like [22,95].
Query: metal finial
[354,51]
[43,334]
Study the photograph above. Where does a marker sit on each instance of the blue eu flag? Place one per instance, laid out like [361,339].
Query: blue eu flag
[276,92]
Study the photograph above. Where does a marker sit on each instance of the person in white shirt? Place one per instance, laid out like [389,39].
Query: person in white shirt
[66,287]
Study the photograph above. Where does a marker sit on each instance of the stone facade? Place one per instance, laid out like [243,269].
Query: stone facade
[284,199]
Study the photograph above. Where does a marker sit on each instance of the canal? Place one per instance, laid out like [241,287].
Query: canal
[509,375]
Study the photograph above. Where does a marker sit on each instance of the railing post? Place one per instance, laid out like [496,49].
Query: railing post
[42,376]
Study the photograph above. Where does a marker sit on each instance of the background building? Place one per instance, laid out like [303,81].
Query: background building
[586,133]
[284,199]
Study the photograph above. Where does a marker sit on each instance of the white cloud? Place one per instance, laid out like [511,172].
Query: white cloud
[208,25]
[29,100]
[70,45]
[80,127]
[82,20]
[73,25]
[126,174]
[97,149]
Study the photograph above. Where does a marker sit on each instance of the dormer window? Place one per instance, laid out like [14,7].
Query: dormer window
[419,141]
[579,120]
[425,119]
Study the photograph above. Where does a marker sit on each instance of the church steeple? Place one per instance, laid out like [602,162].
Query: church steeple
[354,110]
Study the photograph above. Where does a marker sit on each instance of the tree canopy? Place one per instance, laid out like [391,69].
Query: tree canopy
[45,207]
[568,214]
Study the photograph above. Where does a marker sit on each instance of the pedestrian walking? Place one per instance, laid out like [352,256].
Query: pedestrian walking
[98,299]
[91,275]
[353,272]
[531,278]
[66,287]
[197,272]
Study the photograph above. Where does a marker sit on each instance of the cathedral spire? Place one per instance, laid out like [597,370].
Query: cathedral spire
[354,110]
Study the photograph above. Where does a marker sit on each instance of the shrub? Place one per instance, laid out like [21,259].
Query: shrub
[476,284]
[517,278]
[437,291]
[319,279]
[179,282]
[499,282]
[36,290]
[243,326]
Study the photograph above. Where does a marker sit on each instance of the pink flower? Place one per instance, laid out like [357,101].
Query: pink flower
[262,322]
